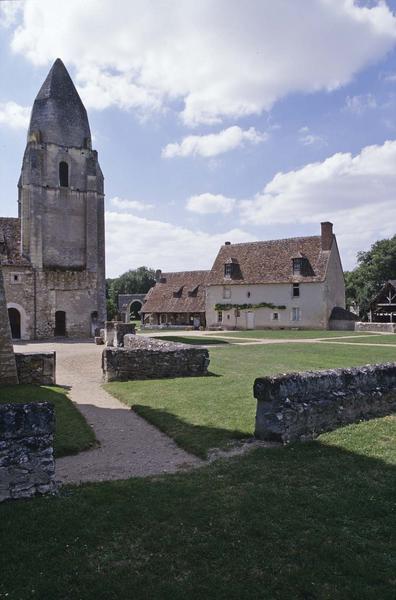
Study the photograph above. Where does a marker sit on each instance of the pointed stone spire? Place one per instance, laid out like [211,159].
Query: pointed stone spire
[58,115]
[8,372]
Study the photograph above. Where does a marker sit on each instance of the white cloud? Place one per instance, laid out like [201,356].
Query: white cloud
[307,138]
[214,144]
[9,12]
[223,59]
[129,205]
[207,204]
[361,103]
[357,193]
[14,115]
[161,245]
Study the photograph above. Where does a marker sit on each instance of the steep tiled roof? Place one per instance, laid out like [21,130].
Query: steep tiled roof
[270,262]
[182,292]
[10,242]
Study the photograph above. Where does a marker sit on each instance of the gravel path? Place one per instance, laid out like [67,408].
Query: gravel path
[129,445]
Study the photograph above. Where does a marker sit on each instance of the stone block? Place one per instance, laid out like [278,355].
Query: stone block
[27,465]
[300,406]
[149,358]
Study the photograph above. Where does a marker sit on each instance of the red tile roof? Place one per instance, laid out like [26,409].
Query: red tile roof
[270,262]
[182,292]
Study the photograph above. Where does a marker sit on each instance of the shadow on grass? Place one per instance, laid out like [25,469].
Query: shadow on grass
[197,439]
[308,522]
[72,433]
[193,341]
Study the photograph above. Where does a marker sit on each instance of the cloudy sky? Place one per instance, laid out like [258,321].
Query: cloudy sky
[217,120]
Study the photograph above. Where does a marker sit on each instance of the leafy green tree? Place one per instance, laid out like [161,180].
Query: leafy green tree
[375,267]
[134,281]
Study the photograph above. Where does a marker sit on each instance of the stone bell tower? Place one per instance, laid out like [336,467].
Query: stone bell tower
[61,210]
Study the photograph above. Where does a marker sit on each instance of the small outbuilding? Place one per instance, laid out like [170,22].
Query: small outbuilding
[177,299]
[383,307]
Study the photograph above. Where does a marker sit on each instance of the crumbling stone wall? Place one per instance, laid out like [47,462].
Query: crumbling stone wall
[148,358]
[8,373]
[300,406]
[27,465]
[115,331]
[37,368]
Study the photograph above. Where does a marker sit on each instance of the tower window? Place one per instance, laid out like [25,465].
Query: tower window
[63,174]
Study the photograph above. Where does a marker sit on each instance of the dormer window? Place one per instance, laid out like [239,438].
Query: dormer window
[63,174]
[298,266]
[231,268]
[301,265]
[228,270]
[177,293]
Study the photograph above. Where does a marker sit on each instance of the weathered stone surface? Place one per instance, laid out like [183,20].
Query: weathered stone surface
[37,368]
[300,406]
[376,327]
[27,465]
[115,331]
[148,358]
[8,373]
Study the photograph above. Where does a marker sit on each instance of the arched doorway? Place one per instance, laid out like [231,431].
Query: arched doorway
[15,323]
[60,323]
[134,310]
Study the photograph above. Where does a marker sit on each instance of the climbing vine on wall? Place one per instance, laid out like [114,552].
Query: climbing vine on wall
[226,307]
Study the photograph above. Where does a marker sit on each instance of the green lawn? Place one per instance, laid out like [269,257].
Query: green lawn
[73,434]
[288,334]
[375,339]
[210,412]
[308,522]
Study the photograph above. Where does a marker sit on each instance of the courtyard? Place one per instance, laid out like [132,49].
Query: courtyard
[304,521]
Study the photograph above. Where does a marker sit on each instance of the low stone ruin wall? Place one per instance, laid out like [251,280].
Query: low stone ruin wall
[115,331]
[37,368]
[300,406]
[148,358]
[27,465]
[376,327]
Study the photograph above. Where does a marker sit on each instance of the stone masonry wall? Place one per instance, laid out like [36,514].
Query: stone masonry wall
[37,368]
[376,327]
[148,358]
[8,373]
[300,406]
[27,464]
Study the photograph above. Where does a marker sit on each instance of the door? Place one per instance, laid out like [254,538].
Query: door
[250,320]
[60,323]
[15,323]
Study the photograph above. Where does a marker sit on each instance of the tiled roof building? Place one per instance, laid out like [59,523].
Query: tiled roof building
[295,282]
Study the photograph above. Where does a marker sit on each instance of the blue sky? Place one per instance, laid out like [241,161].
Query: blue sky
[217,120]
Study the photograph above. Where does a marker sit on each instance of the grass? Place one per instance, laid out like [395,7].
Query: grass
[307,522]
[211,412]
[73,434]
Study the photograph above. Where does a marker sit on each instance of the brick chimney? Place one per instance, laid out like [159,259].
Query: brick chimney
[327,235]
[158,274]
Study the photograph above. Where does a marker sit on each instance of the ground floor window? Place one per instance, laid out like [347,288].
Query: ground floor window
[219,316]
[275,316]
[296,314]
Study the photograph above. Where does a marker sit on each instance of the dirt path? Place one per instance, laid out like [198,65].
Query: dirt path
[129,445]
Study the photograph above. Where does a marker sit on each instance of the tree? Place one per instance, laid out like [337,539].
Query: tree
[375,267]
[134,281]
